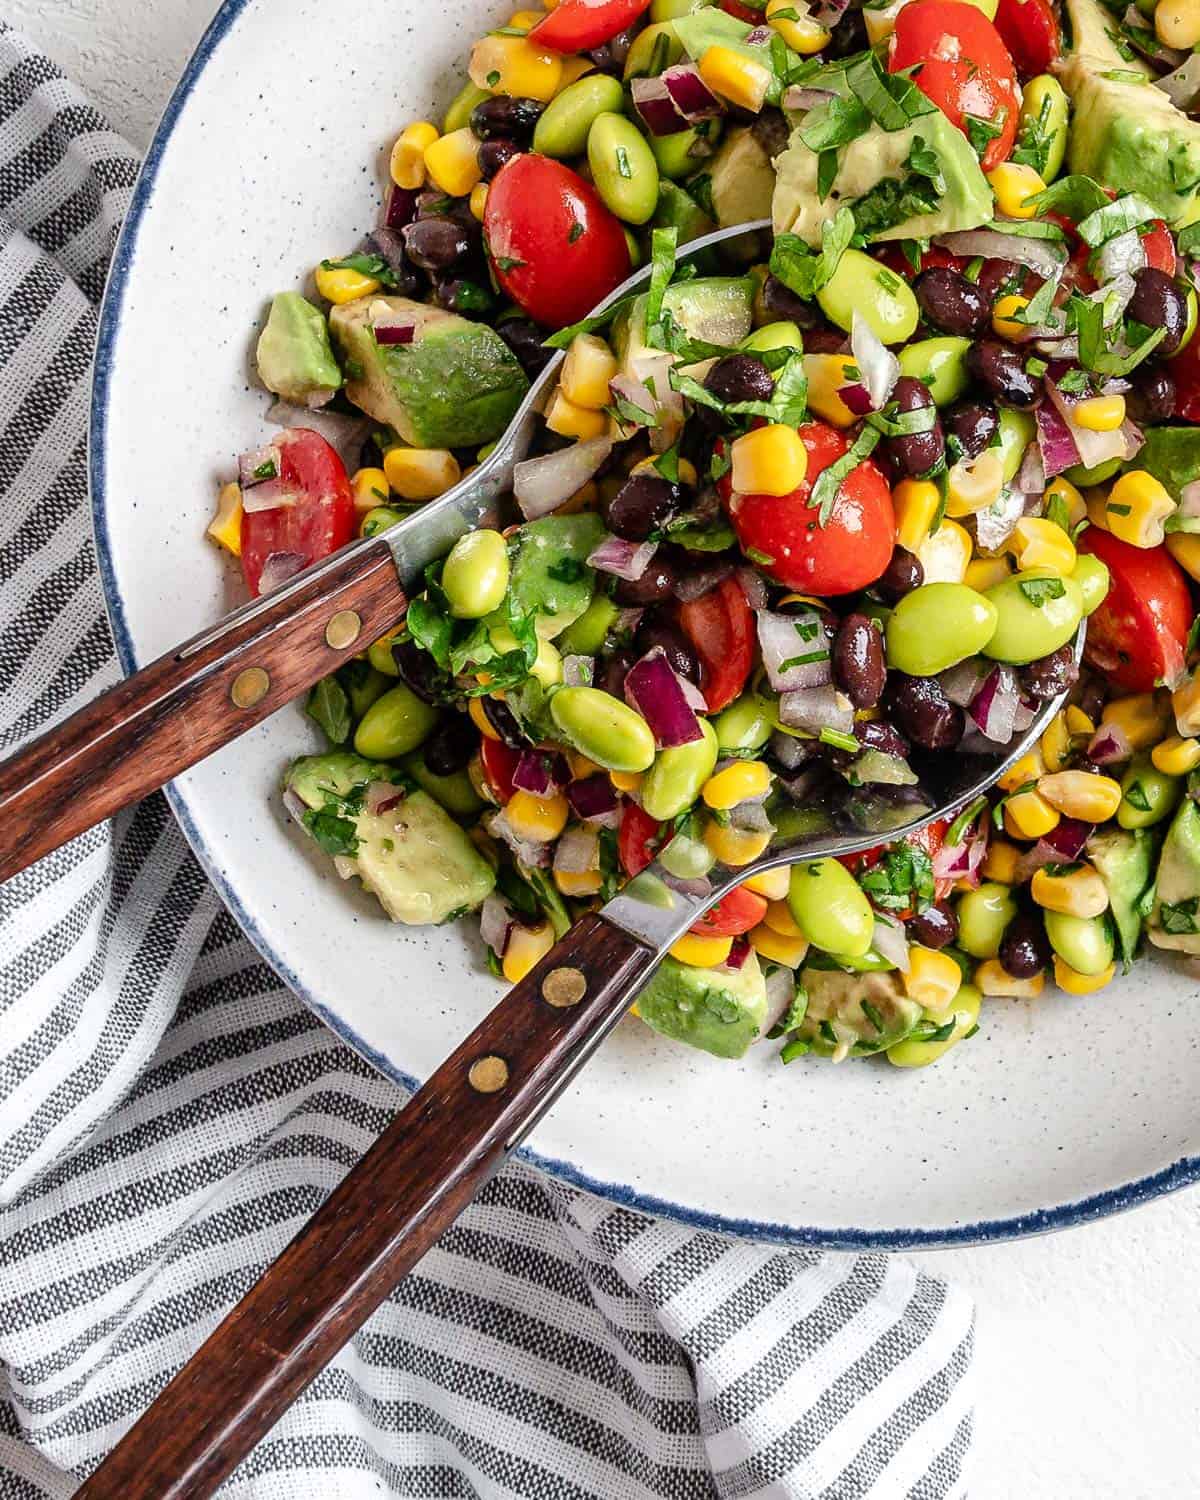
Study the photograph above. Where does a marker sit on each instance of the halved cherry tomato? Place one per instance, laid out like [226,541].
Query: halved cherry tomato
[890,255]
[846,554]
[720,626]
[555,248]
[1159,248]
[637,840]
[965,67]
[1139,634]
[318,521]
[1030,31]
[579,25]
[499,766]
[1184,370]
[733,914]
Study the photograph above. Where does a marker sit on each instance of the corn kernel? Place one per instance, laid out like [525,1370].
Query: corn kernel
[933,978]
[1177,24]
[799,30]
[514,65]
[945,554]
[773,884]
[1136,508]
[589,366]
[745,778]
[734,846]
[338,285]
[1184,547]
[1077,892]
[1027,815]
[421,473]
[992,978]
[1028,768]
[1080,794]
[569,420]
[477,202]
[769,461]
[986,572]
[526,948]
[701,952]
[779,917]
[1100,413]
[1004,318]
[626,781]
[1185,704]
[778,949]
[538,819]
[1078,722]
[915,502]
[578,882]
[1141,717]
[1000,862]
[739,79]
[225,528]
[1013,184]
[526,20]
[1096,503]
[452,162]
[1176,756]
[826,375]
[1038,543]
[973,485]
[573,69]
[1075,983]
[407,163]
[369,488]
[580,766]
[1062,489]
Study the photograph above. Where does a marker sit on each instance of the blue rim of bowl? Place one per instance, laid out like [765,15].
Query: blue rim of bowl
[1040,1221]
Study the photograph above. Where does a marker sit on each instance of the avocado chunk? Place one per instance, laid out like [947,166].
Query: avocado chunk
[294,356]
[715,309]
[457,385]
[1127,135]
[873,172]
[678,210]
[413,856]
[855,1015]
[737,184]
[549,577]
[1172,455]
[717,1010]
[1124,859]
[1175,917]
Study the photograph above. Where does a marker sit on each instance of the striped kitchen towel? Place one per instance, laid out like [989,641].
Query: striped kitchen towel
[170,1114]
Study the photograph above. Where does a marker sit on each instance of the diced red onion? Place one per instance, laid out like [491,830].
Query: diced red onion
[962,682]
[1189,495]
[889,941]
[635,393]
[1182,86]
[540,772]
[780,640]
[296,806]
[781,991]
[401,208]
[628,621]
[394,333]
[856,398]
[496,923]
[1055,441]
[275,494]
[1061,846]
[278,568]
[621,558]
[699,886]
[829,13]
[790,752]
[994,524]
[992,244]
[269,458]
[801,784]
[535,855]
[653,690]
[592,798]
[695,698]
[382,796]
[701,580]
[578,671]
[1031,476]
[541,485]
[674,100]
[343,433]
[754,587]
[752,816]
[1027,710]
[1120,256]
[759,37]
[878,366]
[816,708]
[797,97]
[961,861]
[994,708]
[578,851]
[652,100]
[739,952]
[1094,447]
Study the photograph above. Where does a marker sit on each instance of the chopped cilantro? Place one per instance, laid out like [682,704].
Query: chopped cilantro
[1038,590]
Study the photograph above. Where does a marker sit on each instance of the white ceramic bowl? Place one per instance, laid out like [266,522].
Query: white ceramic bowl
[268,158]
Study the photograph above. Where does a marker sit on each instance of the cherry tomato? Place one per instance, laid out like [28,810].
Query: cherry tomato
[965,67]
[637,839]
[733,914]
[747,13]
[1184,369]
[720,626]
[1139,634]
[890,255]
[555,248]
[580,25]
[846,554]
[1030,31]
[499,765]
[1159,248]
[316,523]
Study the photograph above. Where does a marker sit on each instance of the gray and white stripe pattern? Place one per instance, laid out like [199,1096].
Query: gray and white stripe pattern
[170,1114]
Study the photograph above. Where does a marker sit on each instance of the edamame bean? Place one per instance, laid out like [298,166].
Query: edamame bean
[745,725]
[1085,943]
[623,167]
[1017,429]
[1043,123]
[602,728]
[677,154]
[914,1053]
[1082,477]
[671,10]
[673,782]
[1148,795]
[646,44]
[379,519]
[379,654]
[362,684]
[883,299]
[547,664]
[780,335]
[1191,319]
[983,915]
[475,575]
[585,636]
[1036,613]
[454,792]
[562,128]
[394,724]
[937,625]
[940,364]
[829,908]
[1092,577]
[459,113]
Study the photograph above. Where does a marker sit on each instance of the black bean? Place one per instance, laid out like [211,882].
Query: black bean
[934,927]
[924,713]
[416,667]
[1001,368]
[1046,678]
[641,506]
[740,377]
[859,668]
[916,452]
[849,35]
[432,204]
[655,584]
[824,340]
[1151,397]
[389,244]
[770,129]
[502,116]
[952,303]
[524,338]
[610,56]
[973,423]
[782,304]
[878,734]
[451,745]
[902,574]
[494,154]
[1158,303]
[436,244]
[1025,949]
[614,671]
[658,629]
[462,295]
[504,722]
[999,277]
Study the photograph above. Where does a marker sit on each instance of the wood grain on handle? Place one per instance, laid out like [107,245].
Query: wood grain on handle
[182,707]
[412,1184]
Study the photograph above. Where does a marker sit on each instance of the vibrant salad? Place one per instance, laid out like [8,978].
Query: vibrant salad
[812,508]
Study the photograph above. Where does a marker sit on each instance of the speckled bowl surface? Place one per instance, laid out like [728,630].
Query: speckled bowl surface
[270,157]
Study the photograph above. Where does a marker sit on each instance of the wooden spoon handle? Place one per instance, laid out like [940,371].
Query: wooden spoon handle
[185,705]
[419,1175]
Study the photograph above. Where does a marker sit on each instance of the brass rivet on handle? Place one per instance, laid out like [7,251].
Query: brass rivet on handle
[488,1075]
[564,987]
[249,687]
[343,629]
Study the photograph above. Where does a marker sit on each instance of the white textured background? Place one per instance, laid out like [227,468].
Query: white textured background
[1089,1341]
